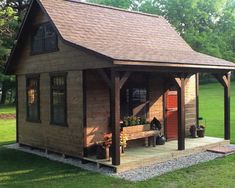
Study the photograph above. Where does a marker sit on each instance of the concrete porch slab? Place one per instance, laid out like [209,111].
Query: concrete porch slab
[138,157]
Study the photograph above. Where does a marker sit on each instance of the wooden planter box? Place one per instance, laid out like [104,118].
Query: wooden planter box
[136,128]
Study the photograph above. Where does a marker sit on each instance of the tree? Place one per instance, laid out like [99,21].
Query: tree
[8,25]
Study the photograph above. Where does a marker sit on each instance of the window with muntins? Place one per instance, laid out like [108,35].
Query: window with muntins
[133,102]
[44,39]
[58,100]
[33,98]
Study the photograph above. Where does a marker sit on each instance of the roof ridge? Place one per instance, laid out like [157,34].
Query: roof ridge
[114,8]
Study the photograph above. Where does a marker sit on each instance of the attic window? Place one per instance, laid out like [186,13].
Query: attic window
[44,39]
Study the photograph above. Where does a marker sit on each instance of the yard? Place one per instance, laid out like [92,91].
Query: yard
[18,169]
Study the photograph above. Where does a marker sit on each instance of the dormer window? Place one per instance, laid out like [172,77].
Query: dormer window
[44,39]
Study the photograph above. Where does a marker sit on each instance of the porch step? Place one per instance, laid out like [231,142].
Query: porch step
[227,149]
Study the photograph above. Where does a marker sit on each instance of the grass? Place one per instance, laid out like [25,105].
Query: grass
[7,131]
[21,170]
[7,109]
[211,100]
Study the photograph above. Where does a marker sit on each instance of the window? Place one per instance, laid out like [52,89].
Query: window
[33,98]
[58,99]
[134,102]
[44,39]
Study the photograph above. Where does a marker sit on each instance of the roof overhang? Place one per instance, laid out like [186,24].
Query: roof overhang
[178,67]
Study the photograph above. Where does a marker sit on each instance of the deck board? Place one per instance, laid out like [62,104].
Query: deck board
[136,157]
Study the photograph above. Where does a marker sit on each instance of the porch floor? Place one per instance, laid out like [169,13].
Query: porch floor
[140,156]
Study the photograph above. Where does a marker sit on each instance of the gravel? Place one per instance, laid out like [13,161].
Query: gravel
[145,173]
[139,174]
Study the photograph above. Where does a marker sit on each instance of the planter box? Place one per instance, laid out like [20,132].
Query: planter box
[136,128]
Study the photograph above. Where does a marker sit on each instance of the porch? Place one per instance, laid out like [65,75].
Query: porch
[115,80]
[136,157]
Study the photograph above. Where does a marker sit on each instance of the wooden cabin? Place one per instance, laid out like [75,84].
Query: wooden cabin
[82,68]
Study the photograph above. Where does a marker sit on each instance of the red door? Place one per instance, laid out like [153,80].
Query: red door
[171,129]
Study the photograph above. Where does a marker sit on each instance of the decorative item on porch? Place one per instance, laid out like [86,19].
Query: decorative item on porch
[201,131]
[193,131]
[103,147]
[133,120]
[161,139]
[155,124]
[123,141]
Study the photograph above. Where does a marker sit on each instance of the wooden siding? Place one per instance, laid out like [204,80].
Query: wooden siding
[66,59]
[190,104]
[98,108]
[156,90]
[67,140]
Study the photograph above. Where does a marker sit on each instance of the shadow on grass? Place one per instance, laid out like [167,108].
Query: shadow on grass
[19,169]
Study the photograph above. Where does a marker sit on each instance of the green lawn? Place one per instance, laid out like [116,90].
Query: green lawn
[7,131]
[211,100]
[7,109]
[18,169]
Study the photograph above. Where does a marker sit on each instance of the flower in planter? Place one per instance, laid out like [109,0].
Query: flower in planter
[107,140]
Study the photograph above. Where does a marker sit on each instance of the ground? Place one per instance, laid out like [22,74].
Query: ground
[18,169]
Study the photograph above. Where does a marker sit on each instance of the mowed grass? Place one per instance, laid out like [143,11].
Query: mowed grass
[211,102]
[22,170]
[7,131]
[7,109]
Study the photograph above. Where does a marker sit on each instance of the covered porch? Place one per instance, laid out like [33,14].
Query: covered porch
[115,79]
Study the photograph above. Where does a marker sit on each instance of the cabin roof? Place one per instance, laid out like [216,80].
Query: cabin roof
[124,35]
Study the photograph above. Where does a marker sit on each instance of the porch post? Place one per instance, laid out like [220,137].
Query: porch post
[225,81]
[181,114]
[115,116]
[197,98]
[17,111]
[227,109]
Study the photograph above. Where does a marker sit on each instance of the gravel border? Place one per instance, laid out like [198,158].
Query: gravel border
[139,174]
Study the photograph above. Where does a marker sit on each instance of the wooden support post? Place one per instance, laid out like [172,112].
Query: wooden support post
[17,112]
[227,109]
[225,82]
[181,81]
[197,98]
[84,88]
[181,115]
[115,116]
[124,79]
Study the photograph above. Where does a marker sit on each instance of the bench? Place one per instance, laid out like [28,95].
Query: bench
[149,135]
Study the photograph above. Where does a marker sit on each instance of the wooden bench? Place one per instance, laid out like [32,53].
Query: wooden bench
[150,135]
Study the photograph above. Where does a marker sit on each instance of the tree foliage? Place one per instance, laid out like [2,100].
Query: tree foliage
[11,13]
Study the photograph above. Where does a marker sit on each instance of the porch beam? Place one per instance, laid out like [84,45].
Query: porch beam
[104,76]
[115,116]
[225,82]
[124,78]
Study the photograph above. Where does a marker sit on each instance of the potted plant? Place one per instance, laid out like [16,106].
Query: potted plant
[201,131]
[103,147]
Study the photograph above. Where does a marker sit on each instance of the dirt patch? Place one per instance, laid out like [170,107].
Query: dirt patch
[7,116]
